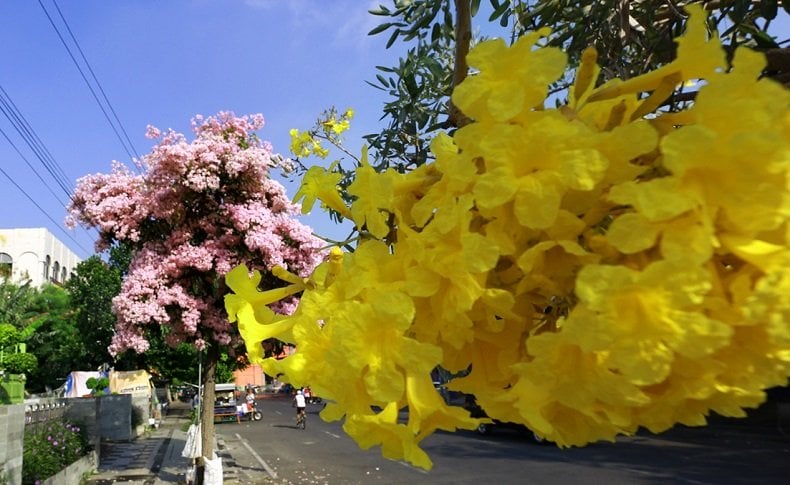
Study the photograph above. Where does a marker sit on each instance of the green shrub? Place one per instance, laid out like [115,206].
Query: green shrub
[193,419]
[97,386]
[9,336]
[20,363]
[50,450]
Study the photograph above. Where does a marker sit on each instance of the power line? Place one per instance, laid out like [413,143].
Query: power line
[29,135]
[42,210]
[130,150]
[59,226]
[104,95]
[31,166]
[39,149]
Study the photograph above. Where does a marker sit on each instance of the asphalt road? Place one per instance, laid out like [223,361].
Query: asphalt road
[322,453]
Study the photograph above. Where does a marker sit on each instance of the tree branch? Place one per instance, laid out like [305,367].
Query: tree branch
[463,38]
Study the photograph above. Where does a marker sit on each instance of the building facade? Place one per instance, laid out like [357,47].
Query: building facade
[35,254]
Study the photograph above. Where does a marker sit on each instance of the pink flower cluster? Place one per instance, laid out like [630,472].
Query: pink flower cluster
[197,210]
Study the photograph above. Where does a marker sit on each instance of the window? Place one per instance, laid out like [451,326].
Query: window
[47,262]
[63,274]
[6,265]
[55,271]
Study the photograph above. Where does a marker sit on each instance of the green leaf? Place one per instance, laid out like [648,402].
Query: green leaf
[380,28]
[765,41]
[768,8]
[474,7]
[505,18]
[436,32]
[434,67]
[382,10]
[393,37]
[374,86]
[411,85]
[499,10]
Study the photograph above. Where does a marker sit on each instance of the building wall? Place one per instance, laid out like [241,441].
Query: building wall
[30,250]
[12,434]
[252,375]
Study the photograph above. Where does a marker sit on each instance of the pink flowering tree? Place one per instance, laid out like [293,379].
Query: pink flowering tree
[194,211]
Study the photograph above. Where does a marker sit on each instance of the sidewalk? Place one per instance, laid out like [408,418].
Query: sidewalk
[155,457]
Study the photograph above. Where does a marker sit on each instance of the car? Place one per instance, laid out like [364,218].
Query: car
[476,411]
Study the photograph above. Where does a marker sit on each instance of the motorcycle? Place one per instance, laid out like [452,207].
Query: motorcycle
[252,414]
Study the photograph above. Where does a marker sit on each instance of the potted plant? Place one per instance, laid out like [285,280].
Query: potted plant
[15,363]
[98,386]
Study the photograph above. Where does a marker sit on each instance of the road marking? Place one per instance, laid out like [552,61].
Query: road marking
[332,434]
[265,465]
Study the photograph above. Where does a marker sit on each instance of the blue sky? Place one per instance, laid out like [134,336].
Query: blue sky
[161,63]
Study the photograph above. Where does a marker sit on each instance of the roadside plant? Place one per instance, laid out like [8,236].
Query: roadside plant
[97,386]
[11,360]
[51,449]
[596,268]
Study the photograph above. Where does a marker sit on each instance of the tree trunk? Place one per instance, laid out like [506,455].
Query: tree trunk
[207,411]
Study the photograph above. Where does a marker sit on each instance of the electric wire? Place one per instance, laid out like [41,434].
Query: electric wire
[31,166]
[96,79]
[51,191]
[87,82]
[10,179]
[29,135]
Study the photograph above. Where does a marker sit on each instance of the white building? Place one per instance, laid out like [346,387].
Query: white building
[35,254]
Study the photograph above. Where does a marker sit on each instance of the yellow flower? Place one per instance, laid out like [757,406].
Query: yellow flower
[303,144]
[511,80]
[250,308]
[374,198]
[588,271]
[396,441]
[318,183]
[299,142]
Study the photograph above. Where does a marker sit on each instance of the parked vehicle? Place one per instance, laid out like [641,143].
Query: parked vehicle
[470,404]
[309,397]
[225,406]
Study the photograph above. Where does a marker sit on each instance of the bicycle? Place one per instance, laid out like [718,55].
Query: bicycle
[301,420]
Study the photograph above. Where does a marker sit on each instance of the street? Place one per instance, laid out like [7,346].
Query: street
[322,453]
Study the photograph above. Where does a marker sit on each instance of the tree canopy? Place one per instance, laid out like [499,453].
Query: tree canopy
[193,211]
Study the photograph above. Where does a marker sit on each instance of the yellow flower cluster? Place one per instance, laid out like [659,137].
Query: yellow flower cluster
[303,144]
[595,268]
[306,143]
[338,126]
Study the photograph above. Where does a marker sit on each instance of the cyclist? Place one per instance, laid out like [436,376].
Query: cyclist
[300,404]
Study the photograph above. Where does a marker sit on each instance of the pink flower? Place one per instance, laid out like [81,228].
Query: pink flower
[197,209]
